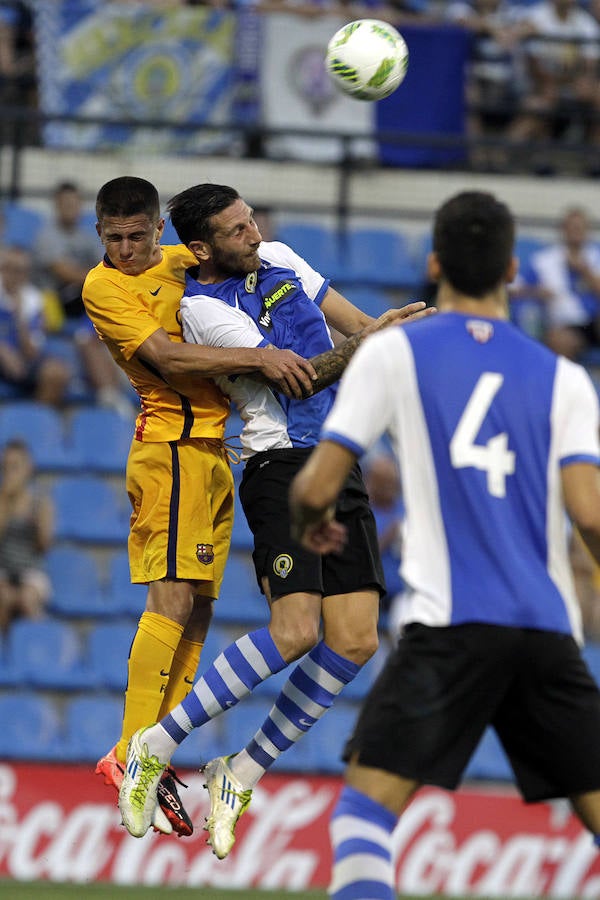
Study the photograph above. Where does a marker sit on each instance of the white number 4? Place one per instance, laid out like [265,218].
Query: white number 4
[494,457]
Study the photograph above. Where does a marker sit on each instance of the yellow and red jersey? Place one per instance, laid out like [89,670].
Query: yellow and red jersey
[126,310]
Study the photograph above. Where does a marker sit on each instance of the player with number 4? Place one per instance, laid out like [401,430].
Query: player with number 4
[497,440]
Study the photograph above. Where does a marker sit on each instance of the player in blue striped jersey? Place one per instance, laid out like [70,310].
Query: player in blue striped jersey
[497,441]
[246,293]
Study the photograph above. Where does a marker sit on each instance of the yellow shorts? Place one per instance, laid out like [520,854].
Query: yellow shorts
[181,494]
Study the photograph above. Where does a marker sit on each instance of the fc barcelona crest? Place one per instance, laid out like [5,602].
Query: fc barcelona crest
[205,553]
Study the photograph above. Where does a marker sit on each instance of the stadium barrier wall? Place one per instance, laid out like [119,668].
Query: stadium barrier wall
[61,824]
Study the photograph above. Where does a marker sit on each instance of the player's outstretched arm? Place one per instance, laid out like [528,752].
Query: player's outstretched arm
[581,491]
[330,365]
[313,494]
[289,373]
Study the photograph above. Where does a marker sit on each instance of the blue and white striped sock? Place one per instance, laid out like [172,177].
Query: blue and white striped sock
[230,678]
[307,694]
[361,841]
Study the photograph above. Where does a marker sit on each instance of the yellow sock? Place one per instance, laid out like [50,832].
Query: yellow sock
[149,668]
[183,671]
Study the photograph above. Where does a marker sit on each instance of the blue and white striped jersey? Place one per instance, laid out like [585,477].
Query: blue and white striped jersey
[482,419]
[279,305]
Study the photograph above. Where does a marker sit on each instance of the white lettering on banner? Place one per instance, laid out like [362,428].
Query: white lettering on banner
[475,842]
[430,860]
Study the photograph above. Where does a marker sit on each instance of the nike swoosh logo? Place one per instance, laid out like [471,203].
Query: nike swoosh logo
[154,293]
[164,674]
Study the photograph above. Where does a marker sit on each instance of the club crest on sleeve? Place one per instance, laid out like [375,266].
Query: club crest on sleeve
[480,330]
[283,565]
[205,553]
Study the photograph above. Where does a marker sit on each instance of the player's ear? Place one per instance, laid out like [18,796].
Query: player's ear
[159,229]
[513,269]
[434,270]
[200,249]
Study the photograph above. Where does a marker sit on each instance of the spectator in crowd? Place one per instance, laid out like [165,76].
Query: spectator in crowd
[566,277]
[562,69]
[67,250]
[23,364]
[17,58]
[26,533]
[495,83]
[382,481]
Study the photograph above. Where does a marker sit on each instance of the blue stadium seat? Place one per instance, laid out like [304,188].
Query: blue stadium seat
[318,245]
[202,745]
[240,599]
[42,429]
[76,587]
[379,256]
[108,648]
[591,654]
[92,725]
[489,762]
[372,300]
[360,687]
[241,536]
[101,439]
[325,741]
[21,225]
[126,598]
[88,510]
[30,727]
[169,235]
[47,654]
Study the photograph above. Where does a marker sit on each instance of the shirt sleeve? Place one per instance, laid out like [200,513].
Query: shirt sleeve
[214,323]
[367,394]
[117,315]
[577,415]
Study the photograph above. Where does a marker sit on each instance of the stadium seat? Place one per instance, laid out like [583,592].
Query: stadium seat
[379,256]
[361,685]
[88,510]
[41,427]
[101,439]
[372,300]
[76,587]
[21,225]
[108,646]
[47,654]
[30,727]
[325,741]
[318,245]
[240,599]
[169,235]
[591,654]
[489,762]
[92,725]
[202,745]
[126,598]
[241,536]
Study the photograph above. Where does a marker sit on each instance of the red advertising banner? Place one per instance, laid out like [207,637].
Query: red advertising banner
[61,823]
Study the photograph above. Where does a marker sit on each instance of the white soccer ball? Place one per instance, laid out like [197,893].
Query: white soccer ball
[367,59]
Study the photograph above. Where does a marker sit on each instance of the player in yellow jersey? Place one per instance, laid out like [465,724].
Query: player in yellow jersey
[178,475]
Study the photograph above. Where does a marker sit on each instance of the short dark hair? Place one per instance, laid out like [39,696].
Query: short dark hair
[473,238]
[64,186]
[192,210]
[127,196]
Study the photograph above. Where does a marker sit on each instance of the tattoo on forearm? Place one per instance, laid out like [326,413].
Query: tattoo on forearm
[330,365]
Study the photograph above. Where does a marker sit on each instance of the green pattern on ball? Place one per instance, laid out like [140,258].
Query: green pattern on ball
[343,70]
[382,74]
[348,32]
[385,33]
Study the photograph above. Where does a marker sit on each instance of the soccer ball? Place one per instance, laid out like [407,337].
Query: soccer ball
[367,59]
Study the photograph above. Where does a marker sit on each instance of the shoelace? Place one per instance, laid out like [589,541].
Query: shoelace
[174,776]
[151,767]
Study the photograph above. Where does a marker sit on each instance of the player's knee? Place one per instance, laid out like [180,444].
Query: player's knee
[295,638]
[358,647]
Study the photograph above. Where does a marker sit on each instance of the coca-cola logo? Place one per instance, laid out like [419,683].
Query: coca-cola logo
[62,824]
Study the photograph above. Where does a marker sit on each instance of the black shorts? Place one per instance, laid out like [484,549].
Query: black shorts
[441,687]
[288,567]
